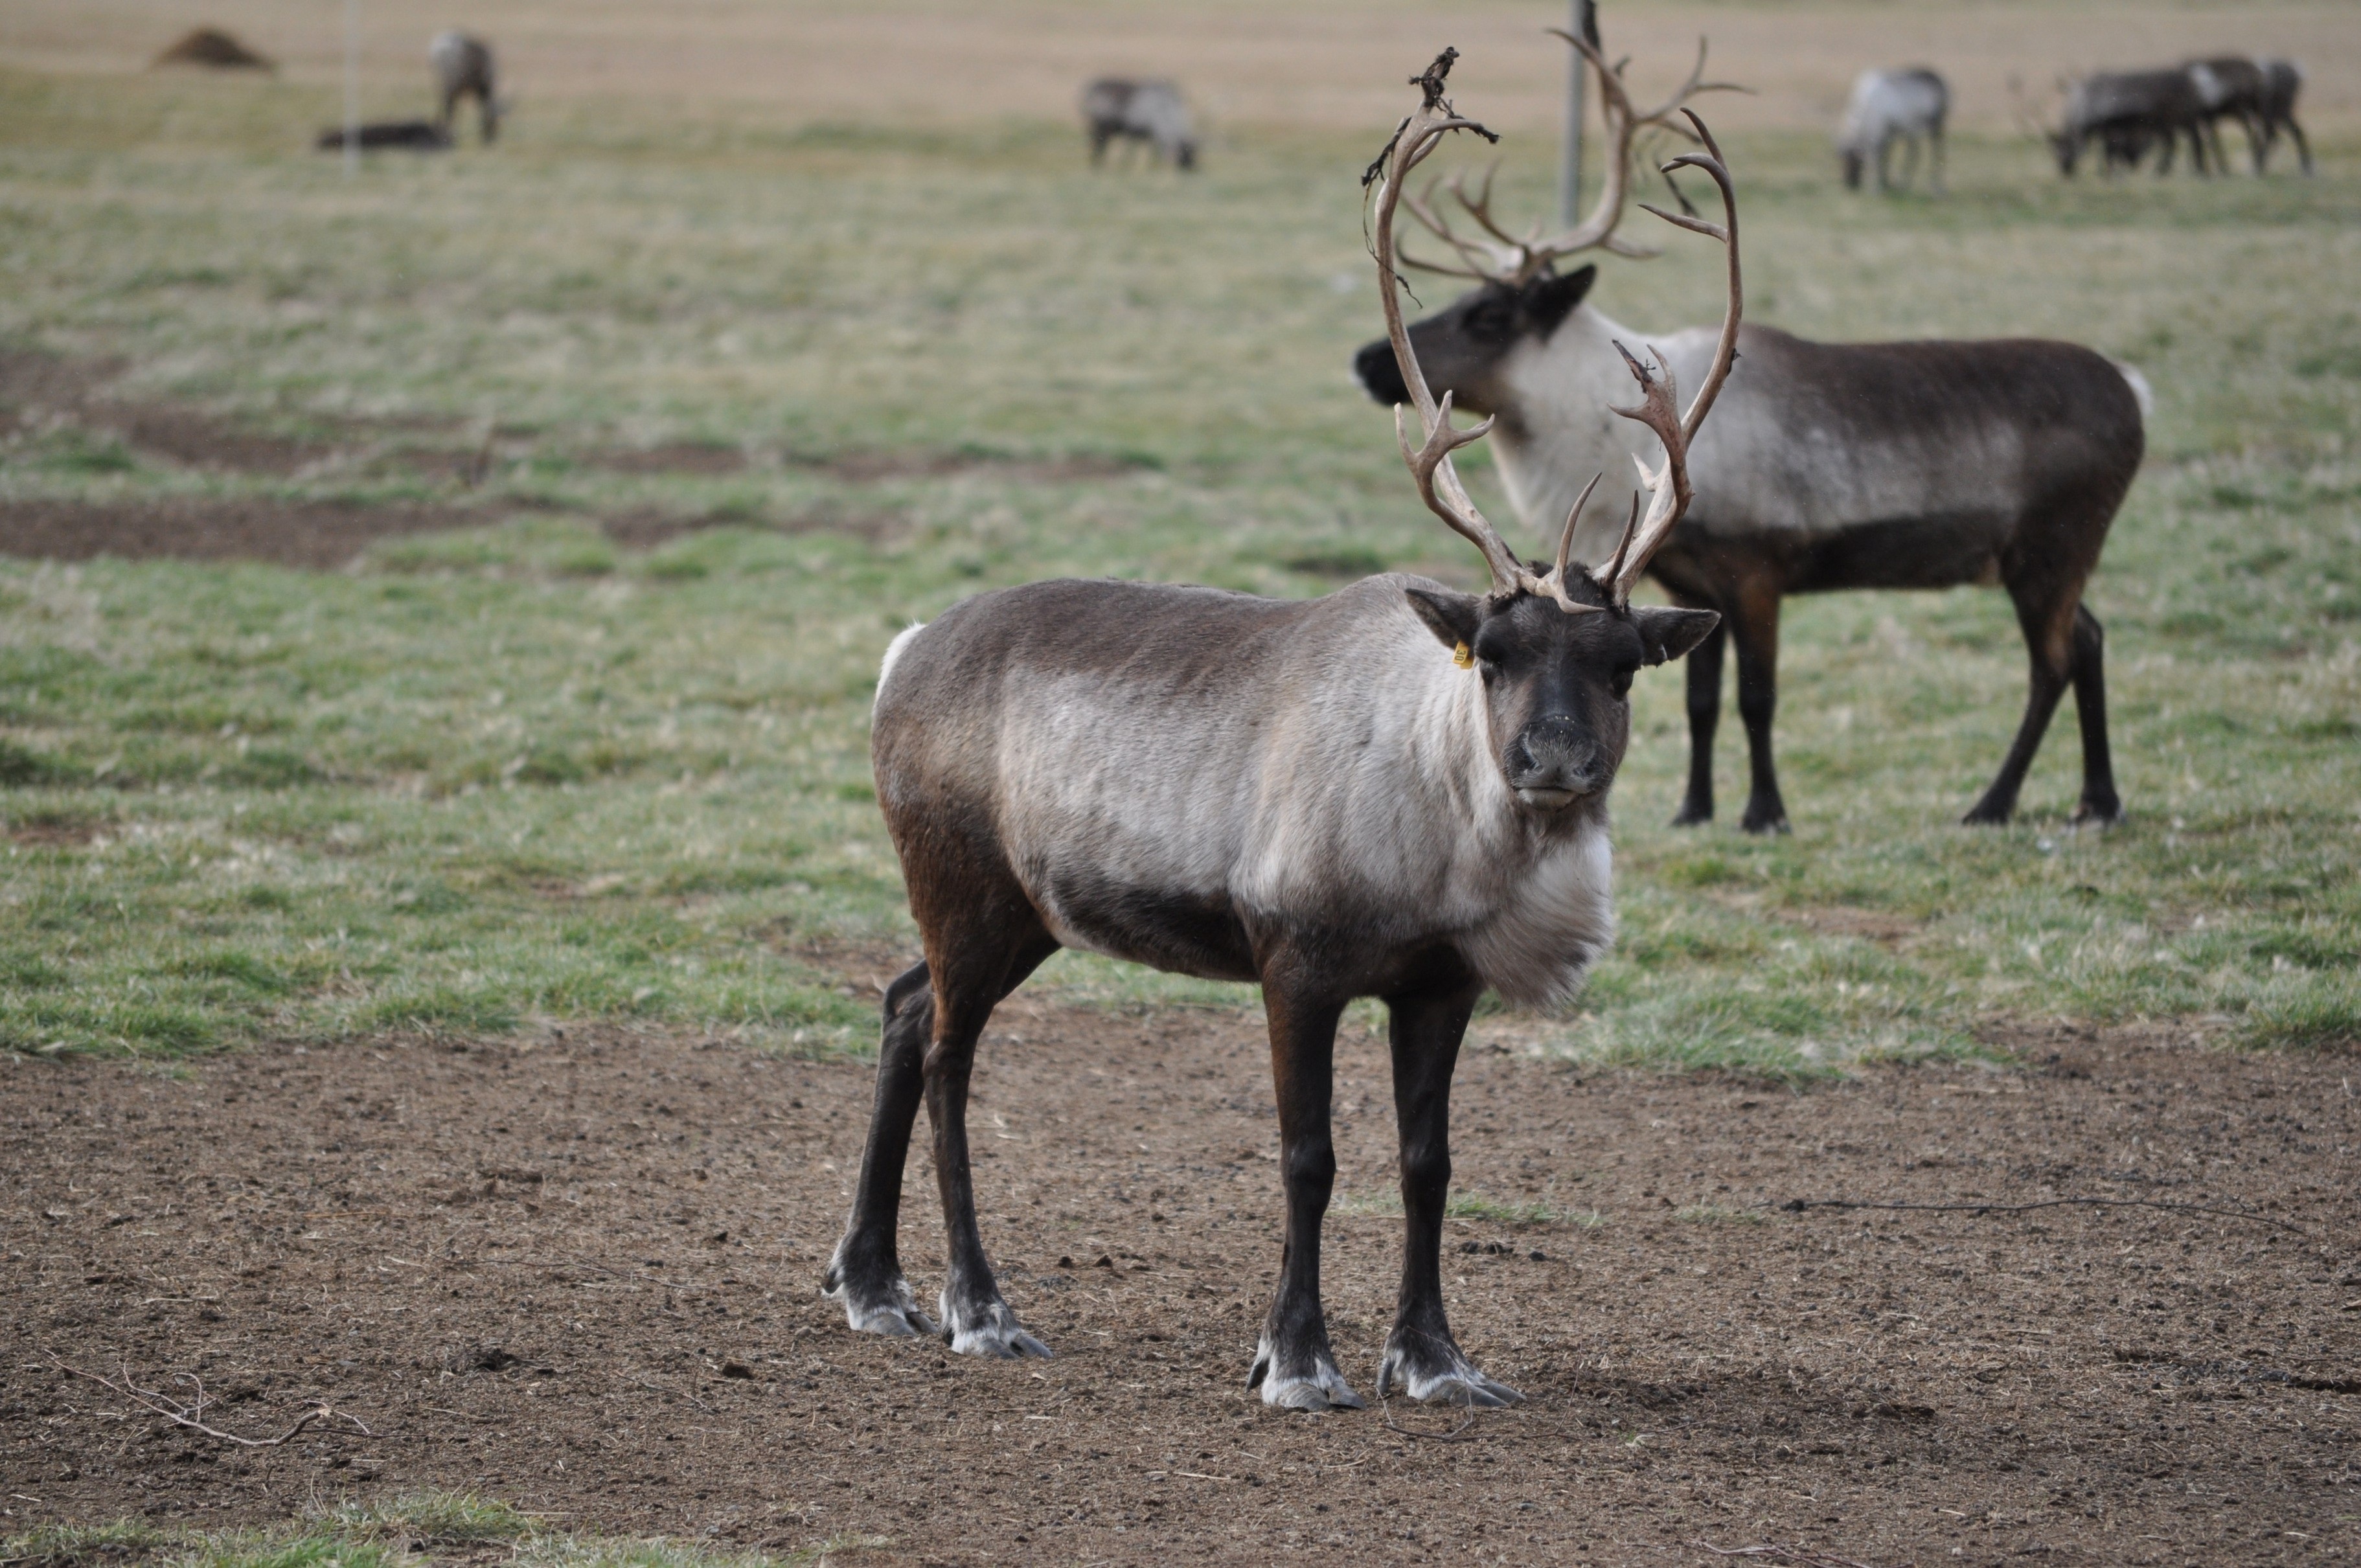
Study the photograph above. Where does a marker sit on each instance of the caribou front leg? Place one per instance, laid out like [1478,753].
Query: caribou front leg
[1293,1364]
[1422,1359]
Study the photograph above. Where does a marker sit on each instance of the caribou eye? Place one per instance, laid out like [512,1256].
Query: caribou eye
[1622,684]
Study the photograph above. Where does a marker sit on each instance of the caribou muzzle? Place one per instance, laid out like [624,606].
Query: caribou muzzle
[1380,373]
[1552,763]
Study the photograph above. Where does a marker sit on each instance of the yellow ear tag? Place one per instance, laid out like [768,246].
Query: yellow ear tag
[1464,657]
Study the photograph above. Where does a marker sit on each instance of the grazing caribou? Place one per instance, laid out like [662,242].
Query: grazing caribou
[1151,111]
[2129,112]
[2281,80]
[2229,87]
[1396,791]
[1888,106]
[462,69]
[1832,465]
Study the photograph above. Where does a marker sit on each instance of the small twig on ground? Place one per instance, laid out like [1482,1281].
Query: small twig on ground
[1797,1205]
[1801,1555]
[180,1414]
[660,1388]
[1456,1434]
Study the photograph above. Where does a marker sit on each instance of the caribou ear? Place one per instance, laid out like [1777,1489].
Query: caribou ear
[1669,633]
[1453,617]
[1551,299]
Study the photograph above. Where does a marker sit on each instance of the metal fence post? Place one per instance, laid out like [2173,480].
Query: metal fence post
[1583,22]
[352,88]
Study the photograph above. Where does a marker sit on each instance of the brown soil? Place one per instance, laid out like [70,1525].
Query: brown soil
[320,535]
[213,48]
[581,1274]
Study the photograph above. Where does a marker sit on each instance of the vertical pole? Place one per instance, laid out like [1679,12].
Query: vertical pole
[1583,22]
[352,88]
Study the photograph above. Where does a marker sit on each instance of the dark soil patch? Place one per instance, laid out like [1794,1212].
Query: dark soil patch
[318,534]
[869,467]
[680,458]
[39,389]
[532,1270]
[213,48]
[644,527]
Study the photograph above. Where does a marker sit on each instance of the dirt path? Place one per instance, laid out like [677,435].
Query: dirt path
[581,1276]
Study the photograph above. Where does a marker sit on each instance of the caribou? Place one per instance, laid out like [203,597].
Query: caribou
[1397,791]
[462,69]
[2129,112]
[1887,106]
[1832,466]
[1151,111]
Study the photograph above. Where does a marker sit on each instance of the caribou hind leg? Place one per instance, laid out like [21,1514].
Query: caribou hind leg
[2099,802]
[1703,675]
[1422,1359]
[865,1273]
[922,1056]
[1757,636]
[968,983]
[2046,611]
[1293,1364]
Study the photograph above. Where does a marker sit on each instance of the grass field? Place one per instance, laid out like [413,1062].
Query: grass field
[518,773]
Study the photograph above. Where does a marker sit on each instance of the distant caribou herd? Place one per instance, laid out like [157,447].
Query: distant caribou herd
[2124,115]
[2127,114]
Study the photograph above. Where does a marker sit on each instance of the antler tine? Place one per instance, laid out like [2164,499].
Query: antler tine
[1623,121]
[1480,207]
[1475,254]
[1659,407]
[1565,538]
[1622,545]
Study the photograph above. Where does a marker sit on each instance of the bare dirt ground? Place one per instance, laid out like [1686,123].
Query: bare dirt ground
[580,1272]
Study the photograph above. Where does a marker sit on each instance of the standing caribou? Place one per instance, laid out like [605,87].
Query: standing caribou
[1887,106]
[1396,791]
[1856,466]
[462,69]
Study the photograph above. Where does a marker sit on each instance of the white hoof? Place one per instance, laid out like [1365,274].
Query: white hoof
[994,1331]
[889,1310]
[1458,1383]
[1321,1389]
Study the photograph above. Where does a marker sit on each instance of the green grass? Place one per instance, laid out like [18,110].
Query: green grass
[402,1532]
[515,773]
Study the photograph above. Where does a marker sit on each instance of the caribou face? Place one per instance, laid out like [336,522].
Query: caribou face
[1557,685]
[1461,345]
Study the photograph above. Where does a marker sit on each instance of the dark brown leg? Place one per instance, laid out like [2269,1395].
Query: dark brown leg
[968,985]
[1293,1365]
[913,1064]
[2046,617]
[1705,715]
[1422,1359]
[1756,632]
[2099,802]
[866,1272]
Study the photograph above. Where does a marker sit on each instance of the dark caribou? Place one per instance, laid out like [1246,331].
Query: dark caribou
[1396,791]
[1853,466]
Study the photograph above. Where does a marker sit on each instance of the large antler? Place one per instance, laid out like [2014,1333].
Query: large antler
[1516,259]
[1430,461]
[1660,397]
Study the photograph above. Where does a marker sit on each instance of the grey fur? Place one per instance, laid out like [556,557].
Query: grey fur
[1887,106]
[1151,111]
[462,69]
